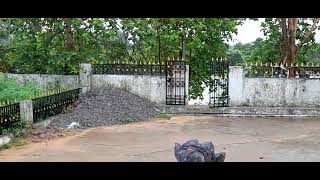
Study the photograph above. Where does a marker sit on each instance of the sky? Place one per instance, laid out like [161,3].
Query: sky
[250,31]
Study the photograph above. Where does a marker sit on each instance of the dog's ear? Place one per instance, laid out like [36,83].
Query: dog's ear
[220,157]
[176,150]
[177,146]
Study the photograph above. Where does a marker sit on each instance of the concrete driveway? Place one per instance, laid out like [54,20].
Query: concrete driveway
[242,138]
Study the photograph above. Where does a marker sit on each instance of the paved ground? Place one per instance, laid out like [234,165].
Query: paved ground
[243,139]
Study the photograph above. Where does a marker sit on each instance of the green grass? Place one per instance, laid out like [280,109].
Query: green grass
[165,116]
[11,90]
[14,143]
[15,128]
[19,130]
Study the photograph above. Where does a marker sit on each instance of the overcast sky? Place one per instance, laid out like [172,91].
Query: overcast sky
[250,31]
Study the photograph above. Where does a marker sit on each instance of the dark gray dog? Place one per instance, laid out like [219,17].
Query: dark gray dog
[193,151]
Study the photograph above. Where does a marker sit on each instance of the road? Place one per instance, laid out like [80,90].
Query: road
[243,139]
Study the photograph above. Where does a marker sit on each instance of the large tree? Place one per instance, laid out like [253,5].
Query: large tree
[289,48]
[291,36]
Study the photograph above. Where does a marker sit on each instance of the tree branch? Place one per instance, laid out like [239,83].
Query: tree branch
[307,34]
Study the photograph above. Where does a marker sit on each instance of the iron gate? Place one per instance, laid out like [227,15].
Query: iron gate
[218,89]
[175,82]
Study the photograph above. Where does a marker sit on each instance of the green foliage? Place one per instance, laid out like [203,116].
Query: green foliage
[38,45]
[271,46]
[165,116]
[15,128]
[16,142]
[234,56]
[11,90]
[312,55]
[262,51]
[267,50]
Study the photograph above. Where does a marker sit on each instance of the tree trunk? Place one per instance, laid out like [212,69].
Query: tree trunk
[292,25]
[183,47]
[159,50]
[69,41]
[283,40]
[288,43]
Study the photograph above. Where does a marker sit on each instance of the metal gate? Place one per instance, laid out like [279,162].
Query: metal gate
[175,82]
[218,89]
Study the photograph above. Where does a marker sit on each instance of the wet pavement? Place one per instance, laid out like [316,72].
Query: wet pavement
[242,138]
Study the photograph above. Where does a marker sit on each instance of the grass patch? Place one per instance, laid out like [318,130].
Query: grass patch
[18,128]
[15,143]
[11,90]
[165,116]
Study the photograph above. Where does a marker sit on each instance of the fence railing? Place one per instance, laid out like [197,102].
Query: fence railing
[281,71]
[47,106]
[129,69]
[9,114]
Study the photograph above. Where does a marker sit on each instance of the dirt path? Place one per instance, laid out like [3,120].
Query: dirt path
[243,139]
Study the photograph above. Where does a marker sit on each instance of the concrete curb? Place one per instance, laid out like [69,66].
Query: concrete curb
[5,139]
[243,111]
[242,115]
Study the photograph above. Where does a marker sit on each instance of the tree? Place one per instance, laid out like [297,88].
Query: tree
[4,40]
[289,49]
[286,32]
[313,54]
[59,45]
[234,58]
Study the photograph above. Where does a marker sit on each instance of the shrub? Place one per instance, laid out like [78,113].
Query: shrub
[11,90]
[14,128]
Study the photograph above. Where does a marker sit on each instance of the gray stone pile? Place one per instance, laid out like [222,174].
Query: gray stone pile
[107,106]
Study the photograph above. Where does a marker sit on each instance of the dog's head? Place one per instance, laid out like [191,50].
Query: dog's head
[193,151]
[220,157]
[187,154]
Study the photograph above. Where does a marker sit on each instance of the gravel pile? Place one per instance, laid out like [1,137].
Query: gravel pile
[108,106]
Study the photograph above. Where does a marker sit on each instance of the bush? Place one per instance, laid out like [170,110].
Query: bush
[14,128]
[11,90]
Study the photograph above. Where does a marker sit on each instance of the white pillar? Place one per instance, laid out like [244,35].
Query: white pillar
[85,77]
[236,83]
[187,84]
[26,111]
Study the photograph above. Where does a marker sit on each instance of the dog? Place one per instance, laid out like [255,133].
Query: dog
[193,151]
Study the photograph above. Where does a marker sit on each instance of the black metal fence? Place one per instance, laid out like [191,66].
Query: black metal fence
[51,105]
[129,69]
[281,71]
[9,114]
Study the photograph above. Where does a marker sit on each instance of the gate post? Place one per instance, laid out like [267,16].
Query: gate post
[236,83]
[187,84]
[85,77]
[26,111]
